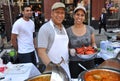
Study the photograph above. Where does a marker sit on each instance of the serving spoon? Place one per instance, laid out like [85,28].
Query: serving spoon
[82,67]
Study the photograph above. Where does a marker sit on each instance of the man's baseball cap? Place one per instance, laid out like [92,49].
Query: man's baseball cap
[80,7]
[58,5]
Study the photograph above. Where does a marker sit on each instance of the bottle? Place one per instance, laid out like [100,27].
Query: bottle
[103,45]
[110,48]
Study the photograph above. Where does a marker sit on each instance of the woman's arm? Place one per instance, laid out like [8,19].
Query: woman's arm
[93,43]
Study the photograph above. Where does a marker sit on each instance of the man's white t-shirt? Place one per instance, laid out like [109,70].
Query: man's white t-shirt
[24,30]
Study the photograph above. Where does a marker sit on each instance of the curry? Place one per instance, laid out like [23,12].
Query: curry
[41,78]
[102,75]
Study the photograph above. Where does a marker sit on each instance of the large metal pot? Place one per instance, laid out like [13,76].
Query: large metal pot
[91,75]
[42,77]
[110,65]
[53,72]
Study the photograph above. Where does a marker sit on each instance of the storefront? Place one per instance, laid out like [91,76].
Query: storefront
[10,10]
[113,10]
[70,5]
[37,7]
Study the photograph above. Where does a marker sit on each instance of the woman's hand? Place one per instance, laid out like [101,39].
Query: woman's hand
[72,52]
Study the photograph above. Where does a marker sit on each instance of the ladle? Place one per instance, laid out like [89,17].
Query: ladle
[82,67]
[79,79]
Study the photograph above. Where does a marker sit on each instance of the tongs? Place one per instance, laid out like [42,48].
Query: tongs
[58,73]
[62,61]
[51,65]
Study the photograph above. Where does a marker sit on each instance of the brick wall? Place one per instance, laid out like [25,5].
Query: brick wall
[96,8]
[8,21]
[47,7]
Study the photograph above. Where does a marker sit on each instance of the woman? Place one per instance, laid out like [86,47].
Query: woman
[79,35]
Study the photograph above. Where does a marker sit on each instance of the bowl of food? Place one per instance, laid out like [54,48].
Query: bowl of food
[86,53]
[100,74]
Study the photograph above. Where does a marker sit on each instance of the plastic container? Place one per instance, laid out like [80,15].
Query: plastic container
[103,47]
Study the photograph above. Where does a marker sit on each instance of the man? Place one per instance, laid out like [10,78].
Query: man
[2,36]
[102,20]
[53,40]
[23,37]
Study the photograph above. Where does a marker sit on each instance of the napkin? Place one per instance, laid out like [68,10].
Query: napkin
[16,68]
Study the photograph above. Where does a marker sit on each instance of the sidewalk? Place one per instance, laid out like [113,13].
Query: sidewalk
[102,36]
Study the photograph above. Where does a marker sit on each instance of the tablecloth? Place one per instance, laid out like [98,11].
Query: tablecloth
[21,72]
[106,56]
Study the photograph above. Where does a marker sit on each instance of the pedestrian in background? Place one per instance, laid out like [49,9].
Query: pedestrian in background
[102,20]
[2,36]
[79,35]
[23,37]
[53,39]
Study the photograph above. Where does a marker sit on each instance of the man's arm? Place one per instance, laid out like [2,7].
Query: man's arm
[43,55]
[14,41]
[34,40]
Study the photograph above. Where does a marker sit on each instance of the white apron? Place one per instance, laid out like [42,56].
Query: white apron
[60,49]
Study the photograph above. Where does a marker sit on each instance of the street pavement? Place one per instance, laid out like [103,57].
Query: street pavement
[102,36]
[99,37]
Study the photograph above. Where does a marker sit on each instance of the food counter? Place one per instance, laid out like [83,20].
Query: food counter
[21,72]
